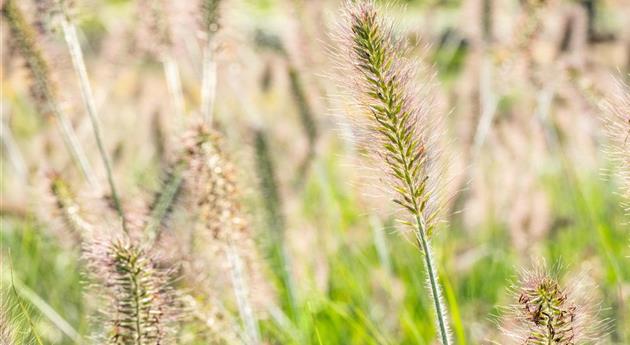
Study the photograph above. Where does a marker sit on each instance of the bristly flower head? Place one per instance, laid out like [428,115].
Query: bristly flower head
[211,183]
[210,16]
[395,123]
[617,120]
[142,306]
[397,127]
[548,312]
[25,39]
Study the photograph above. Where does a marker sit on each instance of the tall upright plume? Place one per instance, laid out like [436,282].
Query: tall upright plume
[395,126]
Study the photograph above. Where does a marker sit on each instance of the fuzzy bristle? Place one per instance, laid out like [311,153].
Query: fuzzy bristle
[214,178]
[617,120]
[395,125]
[142,306]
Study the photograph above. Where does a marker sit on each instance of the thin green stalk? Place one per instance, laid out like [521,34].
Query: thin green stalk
[13,151]
[436,293]
[76,54]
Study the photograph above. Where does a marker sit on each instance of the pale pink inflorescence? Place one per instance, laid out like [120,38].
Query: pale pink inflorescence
[408,86]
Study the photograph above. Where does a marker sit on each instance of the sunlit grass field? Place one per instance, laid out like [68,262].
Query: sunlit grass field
[529,196]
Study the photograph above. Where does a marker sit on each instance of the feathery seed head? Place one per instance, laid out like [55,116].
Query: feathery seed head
[394,124]
[210,16]
[211,182]
[24,38]
[549,312]
[142,306]
[154,34]
[212,178]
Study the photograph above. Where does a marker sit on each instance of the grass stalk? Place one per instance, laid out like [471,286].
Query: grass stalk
[241,293]
[398,128]
[208,84]
[13,151]
[70,35]
[436,293]
[174,85]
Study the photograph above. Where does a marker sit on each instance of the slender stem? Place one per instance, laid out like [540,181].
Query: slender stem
[76,54]
[72,143]
[209,82]
[436,293]
[13,151]
[136,300]
[242,298]
[174,85]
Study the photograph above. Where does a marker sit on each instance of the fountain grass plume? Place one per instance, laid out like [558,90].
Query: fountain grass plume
[396,127]
[142,307]
[44,90]
[210,15]
[549,312]
[616,112]
[212,183]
